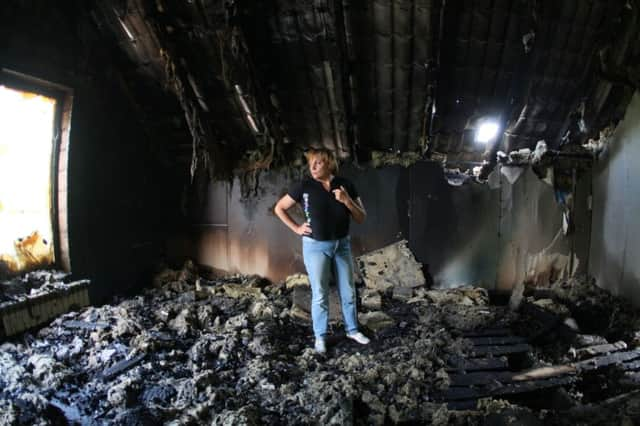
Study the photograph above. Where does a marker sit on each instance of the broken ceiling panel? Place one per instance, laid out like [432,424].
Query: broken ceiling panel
[391,266]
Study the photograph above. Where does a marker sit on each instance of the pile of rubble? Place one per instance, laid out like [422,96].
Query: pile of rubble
[237,350]
[32,283]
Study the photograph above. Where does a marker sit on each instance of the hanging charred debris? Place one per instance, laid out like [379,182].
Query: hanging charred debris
[379,83]
[233,351]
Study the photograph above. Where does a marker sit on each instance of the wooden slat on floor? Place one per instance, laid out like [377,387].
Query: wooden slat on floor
[477,364]
[500,349]
[503,340]
[603,361]
[461,393]
[466,388]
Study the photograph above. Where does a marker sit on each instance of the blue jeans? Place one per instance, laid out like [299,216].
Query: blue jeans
[319,257]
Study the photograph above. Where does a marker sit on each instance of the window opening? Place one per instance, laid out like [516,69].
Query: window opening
[27,122]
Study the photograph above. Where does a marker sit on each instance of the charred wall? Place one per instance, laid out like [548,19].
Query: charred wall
[533,246]
[465,235]
[117,190]
[615,244]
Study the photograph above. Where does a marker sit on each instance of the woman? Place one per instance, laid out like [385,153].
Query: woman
[329,202]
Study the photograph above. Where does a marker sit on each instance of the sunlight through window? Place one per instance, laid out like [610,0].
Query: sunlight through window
[26,142]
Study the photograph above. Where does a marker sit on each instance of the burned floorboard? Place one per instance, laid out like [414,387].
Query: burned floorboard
[477,364]
[499,389]
[475,378]
[497,341]
[122,366]
[494,350]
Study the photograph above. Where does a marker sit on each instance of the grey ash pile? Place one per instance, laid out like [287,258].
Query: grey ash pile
[231,352]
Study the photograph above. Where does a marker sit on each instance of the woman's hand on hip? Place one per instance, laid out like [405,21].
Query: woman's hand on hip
[303,229]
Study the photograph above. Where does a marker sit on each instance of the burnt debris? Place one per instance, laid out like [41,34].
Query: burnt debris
[233,351]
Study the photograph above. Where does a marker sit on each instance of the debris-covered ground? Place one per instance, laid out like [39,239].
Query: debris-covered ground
[32,283]
[231,351]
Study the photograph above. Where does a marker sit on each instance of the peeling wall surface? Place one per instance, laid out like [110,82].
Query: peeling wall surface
[615,243]
[469,235]
[533,247]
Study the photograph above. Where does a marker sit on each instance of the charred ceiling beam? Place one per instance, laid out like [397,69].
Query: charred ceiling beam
[574,92]
[346,59]
[376,80]
[409,141]
[209,69]
[331,83]
[182,83]
[432,69]
[199,125]
[282,18]
[402,35]
[133,66]
[393,64]
[622,34]
[520,89]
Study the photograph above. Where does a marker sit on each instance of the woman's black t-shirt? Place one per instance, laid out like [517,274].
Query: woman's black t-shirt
[329,218]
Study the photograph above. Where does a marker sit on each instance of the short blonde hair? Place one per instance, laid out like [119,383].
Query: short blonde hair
[325,154]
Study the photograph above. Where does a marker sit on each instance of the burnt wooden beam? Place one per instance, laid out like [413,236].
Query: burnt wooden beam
[492,340]
[603,361]
[601,349]
[477,364]
[501,349]
[122,366]
[462,393]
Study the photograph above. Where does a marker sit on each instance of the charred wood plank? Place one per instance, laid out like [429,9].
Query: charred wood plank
[85,325]
[477,364]
[501,349]
[506,340]
[483,378]
[603,361]
[544,372]
[480,378]
[462,393]
[601,349]
[541,373]
[629,366]
[121,366]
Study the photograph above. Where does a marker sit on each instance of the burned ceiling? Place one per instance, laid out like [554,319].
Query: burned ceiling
[255,82]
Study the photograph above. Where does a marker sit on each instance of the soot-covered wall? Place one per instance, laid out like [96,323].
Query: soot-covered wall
[120,200]
[615,243]
[465,235]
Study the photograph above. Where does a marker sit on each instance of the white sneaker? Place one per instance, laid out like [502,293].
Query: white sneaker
[359,337]
[320,346]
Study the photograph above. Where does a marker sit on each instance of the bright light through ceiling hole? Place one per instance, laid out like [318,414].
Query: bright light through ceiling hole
[487,131]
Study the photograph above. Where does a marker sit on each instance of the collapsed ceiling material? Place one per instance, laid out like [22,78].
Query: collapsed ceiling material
[232,350]
[411,77]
